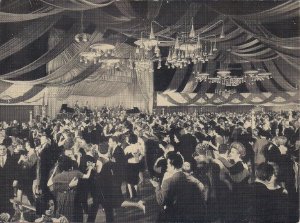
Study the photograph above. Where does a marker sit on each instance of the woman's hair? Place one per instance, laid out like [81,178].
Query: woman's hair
[264,171]
[69,143]
[170,147]
[239,147]
[30,143]
[88,147]
[281,140]
[132,138]
[65,163]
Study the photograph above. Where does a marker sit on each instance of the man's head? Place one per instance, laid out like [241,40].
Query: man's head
[276,140]
[264,172]
[64,163]
[286,123]
[210,131]
[175,161]
[165,137]
[113,141]
[187,167]
[44,139]
[132,138]
[3,150]
[68,152]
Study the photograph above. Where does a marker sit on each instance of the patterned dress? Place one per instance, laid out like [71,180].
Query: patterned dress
[64,196]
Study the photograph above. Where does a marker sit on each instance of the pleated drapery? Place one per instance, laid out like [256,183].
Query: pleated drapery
[66,41]
[29,34]
[6,17]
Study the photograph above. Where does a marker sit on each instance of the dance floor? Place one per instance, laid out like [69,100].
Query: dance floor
[147,194]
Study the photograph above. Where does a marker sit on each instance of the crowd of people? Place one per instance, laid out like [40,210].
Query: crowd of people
[204,167]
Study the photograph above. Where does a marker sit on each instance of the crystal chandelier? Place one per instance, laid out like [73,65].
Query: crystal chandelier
[147,44]
[147,50]
[143,66]
[224,77]
[257,75]
[191,48]
[226,92]
[99,53]
[103,49]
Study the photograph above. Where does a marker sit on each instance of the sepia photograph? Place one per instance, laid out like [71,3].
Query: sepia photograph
[149,111]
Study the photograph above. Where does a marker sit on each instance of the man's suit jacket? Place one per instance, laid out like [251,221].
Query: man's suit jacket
[48,158]
[295,137]
[287,132]
[187,146]
[7,176]
[118,166]
[182,199]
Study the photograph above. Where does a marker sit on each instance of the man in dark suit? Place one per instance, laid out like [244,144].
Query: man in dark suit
[266,204]
[115,162]
[7,179]
[296,135]
[117,157]
[285,129]
[48,157]
[179,196]
[187,145]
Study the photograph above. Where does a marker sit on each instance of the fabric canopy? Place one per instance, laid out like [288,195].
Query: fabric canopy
[247,42]
[11,17]
[66,41]
[29,34]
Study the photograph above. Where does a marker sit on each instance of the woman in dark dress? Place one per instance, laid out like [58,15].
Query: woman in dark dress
[28,165]
[64,186]
[134,155]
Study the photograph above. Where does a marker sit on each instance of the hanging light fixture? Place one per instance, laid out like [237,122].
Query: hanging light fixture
[224,77]
[151,36]
[192,32]
[82,36]
[148,43]
[103,49]
[215,45]
[222,35]
[192,48]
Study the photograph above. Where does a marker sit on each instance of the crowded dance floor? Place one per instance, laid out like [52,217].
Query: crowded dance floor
[149,111]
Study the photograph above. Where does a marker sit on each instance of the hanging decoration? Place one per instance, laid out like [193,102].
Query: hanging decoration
[148,48]
[82,36]
[225,78]
[192,48]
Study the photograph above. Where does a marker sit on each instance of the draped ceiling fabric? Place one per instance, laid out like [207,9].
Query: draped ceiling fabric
[254,47]
[251,44]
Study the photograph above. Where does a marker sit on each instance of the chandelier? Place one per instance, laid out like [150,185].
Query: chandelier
[147,44]
[187,48]
[225,92]
[147,50]
[191,48]
[103,49]
[99,53]
[143,66]
[224,77]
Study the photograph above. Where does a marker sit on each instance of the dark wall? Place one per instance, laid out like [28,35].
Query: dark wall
[15,112]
